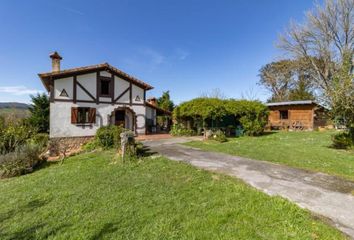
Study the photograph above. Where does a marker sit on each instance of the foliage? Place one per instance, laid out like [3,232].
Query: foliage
[39,109]
[343,140]
[15,134]
[325,43]
[165,101]
[40,139]
[306,150]
[91,145]
[180,130]
[287,80]
[23,160]
[154,198]
[109,136]
[201,108]
[219,136]
[253,115]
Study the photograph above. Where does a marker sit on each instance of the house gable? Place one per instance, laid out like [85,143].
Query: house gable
[87,87]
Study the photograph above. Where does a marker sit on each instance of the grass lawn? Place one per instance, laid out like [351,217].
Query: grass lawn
[307,150]
[89,198]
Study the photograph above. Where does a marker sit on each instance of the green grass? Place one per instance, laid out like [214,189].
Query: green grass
[89,198]
[307,150]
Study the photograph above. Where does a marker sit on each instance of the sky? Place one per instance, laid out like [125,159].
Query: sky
[188,47]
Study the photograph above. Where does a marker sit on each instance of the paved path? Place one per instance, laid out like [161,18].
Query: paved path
[322,194]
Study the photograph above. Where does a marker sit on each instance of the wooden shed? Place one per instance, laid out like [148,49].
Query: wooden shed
[296,115]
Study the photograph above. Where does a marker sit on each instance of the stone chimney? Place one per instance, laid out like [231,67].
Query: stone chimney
[55,61]
[152,101]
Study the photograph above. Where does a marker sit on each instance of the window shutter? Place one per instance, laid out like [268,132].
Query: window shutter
[92,115]
[74,115]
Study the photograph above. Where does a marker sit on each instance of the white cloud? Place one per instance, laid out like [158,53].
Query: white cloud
[182,54]
[74,11]
[19,90]
[156,57]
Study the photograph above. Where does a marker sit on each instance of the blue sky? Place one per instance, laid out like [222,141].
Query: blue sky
[187,46]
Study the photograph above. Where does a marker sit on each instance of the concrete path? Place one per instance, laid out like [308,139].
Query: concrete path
[322,194]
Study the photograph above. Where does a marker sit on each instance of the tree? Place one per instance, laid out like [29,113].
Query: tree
[165,101]
[287,80]
[39,109]
[214,93]
[325,42]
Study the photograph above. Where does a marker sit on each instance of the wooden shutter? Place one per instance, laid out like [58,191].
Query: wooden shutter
[92,115]
[74,114]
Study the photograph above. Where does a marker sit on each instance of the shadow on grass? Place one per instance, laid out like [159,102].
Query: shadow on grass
[107,228]
[33,231]
[38,231]
[144,151]
[26,208]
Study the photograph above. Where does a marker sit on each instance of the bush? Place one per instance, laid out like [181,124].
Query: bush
[253,115]
[219,136]
[180,130]
[14,135]
[343,140]
[23,160]
[41,139]
[109,136]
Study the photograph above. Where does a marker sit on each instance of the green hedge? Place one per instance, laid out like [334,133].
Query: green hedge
[251,115]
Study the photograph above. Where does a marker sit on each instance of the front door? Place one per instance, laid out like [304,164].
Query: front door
[120,118]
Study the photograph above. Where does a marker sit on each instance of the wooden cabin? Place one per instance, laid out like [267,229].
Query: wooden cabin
[296,115]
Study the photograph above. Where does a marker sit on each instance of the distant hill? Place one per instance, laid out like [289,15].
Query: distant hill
[14,111]
[13,105]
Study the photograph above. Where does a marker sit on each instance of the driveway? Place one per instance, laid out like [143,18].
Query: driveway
[322,194]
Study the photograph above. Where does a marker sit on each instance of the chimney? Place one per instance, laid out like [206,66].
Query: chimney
[152,101]
[55,61]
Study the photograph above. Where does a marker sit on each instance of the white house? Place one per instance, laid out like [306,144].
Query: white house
[86,98]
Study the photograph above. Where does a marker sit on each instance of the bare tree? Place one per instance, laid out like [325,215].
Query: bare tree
[214,93]
[325,41]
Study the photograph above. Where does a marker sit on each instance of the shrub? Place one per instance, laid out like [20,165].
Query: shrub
[91,145]
[343,140]
[23,160]
[41,139]
[180,130]
[14,135]
[253,115]
[219,136]
[109,136]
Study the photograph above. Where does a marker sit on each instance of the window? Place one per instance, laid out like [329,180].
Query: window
[284,114]
[83,115]
[105,87]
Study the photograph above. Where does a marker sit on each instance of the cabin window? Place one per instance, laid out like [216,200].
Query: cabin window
[284,114]
[105,87]
[83,115]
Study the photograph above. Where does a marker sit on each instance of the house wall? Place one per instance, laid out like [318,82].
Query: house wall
[297,113]
[60,107]
[61,126]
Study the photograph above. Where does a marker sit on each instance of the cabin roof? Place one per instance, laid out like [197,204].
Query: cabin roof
[46,77]
[303,102]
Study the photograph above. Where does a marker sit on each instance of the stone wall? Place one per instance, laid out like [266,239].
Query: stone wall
[69,144]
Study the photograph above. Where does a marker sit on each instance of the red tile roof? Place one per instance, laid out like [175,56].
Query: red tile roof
[46,77]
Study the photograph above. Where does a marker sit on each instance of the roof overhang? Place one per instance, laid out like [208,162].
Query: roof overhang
[47,77]
[159,111]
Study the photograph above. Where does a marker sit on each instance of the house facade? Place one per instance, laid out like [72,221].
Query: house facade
[296,115]
[86,98]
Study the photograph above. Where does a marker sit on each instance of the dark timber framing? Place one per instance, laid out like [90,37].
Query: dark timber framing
[121,95]
[86,91]
[130,93]
[97,87]
[75,89]
[113,88]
